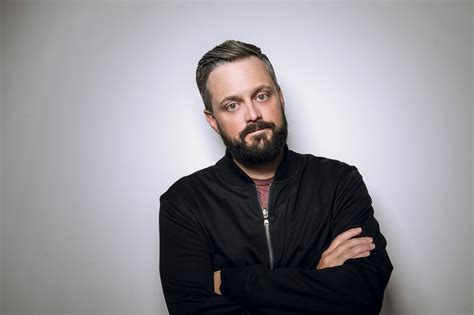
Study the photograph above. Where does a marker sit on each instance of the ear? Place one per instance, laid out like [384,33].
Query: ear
[282,98]
[211,120]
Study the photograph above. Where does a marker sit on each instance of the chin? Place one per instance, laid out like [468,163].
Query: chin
[258,143]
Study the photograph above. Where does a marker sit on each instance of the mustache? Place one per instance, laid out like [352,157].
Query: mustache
[261,124]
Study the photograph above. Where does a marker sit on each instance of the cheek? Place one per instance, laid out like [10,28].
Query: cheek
[235,129]
[232,127]
[275,115]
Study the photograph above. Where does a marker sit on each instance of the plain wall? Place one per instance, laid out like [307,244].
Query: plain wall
[2,165]
[1,152]
[101,115]
[472,146]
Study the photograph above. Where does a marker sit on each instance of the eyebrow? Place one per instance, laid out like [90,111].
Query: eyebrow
[254,91]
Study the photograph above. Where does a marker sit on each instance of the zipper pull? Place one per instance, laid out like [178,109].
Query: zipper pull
[265,217]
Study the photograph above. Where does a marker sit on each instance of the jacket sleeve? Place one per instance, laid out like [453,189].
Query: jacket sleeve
[186,269]
[356,287]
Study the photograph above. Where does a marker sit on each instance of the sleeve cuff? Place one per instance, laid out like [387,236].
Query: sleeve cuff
[235,283]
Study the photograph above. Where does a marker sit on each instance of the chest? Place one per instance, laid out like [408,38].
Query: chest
[292,231]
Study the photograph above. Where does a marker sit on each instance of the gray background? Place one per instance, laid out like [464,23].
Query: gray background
[100,114]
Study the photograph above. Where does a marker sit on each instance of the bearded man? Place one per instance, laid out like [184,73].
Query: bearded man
[266,230]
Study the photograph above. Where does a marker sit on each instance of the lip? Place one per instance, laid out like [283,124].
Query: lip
[257,131]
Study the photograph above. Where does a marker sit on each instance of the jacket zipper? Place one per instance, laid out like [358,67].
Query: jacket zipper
[266,225]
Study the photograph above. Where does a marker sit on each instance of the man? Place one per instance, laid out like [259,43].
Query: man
[266,230]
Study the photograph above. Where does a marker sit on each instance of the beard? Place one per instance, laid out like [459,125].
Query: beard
[262,149]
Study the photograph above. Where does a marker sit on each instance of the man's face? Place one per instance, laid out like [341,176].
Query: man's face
[247,111]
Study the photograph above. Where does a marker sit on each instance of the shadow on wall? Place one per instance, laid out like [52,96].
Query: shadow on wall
[388,307]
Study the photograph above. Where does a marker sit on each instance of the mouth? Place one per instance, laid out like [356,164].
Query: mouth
[262,129]
[257,131]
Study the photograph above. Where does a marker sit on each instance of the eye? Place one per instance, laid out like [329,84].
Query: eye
[231,107]
[263,97]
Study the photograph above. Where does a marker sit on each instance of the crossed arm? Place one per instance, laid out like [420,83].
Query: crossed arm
[344,247]
[349,278]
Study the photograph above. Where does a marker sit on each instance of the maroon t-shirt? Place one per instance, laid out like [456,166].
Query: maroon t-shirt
[263,188]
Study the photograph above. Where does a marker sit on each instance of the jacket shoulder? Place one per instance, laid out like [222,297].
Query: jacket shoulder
[185,186]
[324,165]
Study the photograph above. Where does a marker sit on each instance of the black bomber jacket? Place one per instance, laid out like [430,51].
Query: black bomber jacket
[211,220]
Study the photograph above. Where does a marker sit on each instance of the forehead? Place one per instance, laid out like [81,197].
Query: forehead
[237,78]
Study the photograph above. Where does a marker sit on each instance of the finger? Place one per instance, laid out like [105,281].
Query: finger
[344,236]
[349,249]
[362,255]
[348,244]
[355,251]
[217,282]
[327,262]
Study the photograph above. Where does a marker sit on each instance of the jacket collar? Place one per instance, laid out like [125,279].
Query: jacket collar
[230,173]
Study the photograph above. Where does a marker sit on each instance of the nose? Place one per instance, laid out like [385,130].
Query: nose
[253,112]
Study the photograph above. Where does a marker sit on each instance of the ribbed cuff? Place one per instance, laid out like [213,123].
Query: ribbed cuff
[235,283]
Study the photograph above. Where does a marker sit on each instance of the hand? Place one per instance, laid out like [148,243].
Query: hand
[217,282]
[346,246]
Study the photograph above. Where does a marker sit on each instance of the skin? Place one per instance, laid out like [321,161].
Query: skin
[346,246]
[243,92]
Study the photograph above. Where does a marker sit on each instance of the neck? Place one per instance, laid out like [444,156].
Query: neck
[263,171]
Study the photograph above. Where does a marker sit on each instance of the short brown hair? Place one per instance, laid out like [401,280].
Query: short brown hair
[228,51]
